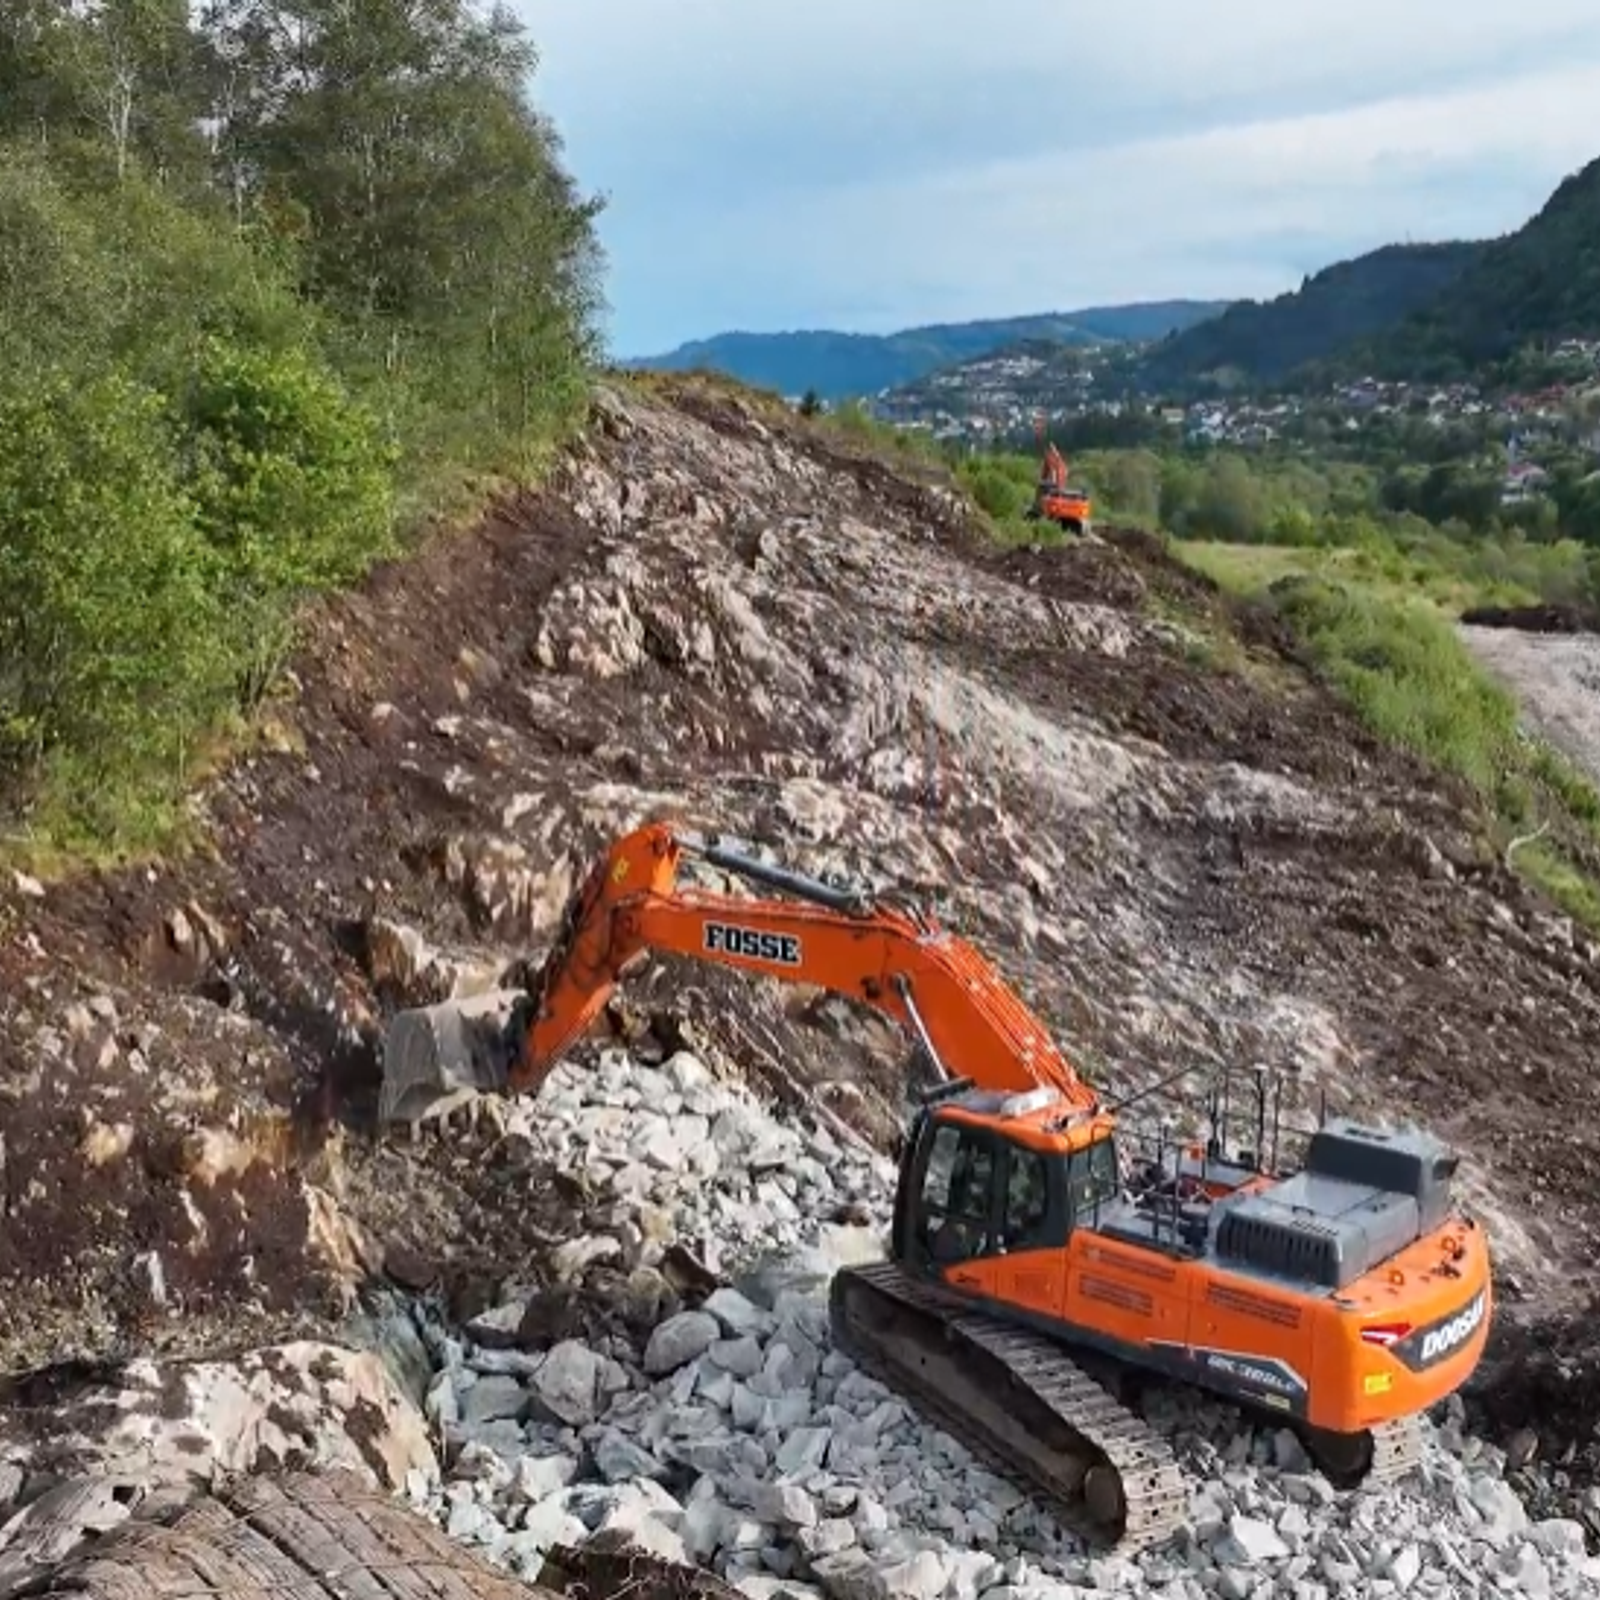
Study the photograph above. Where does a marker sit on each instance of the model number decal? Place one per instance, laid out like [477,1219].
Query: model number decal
[754,944]
[1247,1371]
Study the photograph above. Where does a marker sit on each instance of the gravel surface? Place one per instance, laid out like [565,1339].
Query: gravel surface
[728,1433]
[1556,676]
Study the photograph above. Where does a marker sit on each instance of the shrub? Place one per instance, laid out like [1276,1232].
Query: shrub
[292,487]
[111,659]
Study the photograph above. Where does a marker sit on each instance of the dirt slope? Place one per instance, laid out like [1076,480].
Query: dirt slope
[1181,852]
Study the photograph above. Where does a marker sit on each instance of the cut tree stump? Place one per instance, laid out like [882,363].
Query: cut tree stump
[305,1536]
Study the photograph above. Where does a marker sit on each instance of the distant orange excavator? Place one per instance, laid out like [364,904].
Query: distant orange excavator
[1035,1262]
[1054,500]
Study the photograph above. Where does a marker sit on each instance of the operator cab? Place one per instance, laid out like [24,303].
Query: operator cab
[982,1177]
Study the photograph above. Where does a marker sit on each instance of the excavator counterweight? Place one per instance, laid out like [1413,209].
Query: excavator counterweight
[1036,1264]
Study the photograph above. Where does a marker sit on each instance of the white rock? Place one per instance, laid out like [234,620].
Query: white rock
[538,1477]
[1249,1542]
[567,1383]
[618,1458]
[1406,1567]
[1497,1501]
[679,1340]
[1529,1576]
[785,1505]
[1558,1536]
[493,1399]
[743,1358]
[923,1576]
[549,1522]
[803,1450]
[569,1259]
[738,1315]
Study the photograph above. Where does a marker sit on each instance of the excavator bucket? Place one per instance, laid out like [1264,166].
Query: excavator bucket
[434,1057]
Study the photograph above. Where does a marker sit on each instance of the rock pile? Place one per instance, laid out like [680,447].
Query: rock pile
[728,1433]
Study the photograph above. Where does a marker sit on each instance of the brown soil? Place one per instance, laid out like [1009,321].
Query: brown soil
[1570,618]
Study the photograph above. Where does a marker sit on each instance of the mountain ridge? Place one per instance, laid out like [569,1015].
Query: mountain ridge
[1537,283]
[1437,311]
[839,365]
[1332,311]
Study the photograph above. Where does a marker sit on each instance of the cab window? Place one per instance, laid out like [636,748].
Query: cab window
[1094,1180]
[1027,1199]
[958,1195]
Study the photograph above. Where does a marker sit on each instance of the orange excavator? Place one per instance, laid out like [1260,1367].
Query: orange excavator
[1030,1273]
[1057,501]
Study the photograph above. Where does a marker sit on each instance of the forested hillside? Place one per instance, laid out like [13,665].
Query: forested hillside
[843,365]
[1539,284]
[272,280]
[1264,341]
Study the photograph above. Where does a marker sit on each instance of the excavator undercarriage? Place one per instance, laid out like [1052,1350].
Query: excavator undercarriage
[1038,1414]
[1019,1402]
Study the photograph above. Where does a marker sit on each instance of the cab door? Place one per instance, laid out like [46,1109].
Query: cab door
[954,1224]
[1035,1222]
[989,1217]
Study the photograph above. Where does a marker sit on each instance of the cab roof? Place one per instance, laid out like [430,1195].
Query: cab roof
[1042,1118]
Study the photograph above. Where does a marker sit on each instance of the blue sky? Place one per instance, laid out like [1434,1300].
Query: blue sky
[872,164]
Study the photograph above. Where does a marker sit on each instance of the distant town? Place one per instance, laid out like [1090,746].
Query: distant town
[1001,396]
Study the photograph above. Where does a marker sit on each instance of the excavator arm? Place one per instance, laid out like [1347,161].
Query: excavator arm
[969,1022]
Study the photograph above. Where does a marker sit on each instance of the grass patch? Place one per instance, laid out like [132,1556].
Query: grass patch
[857,424]
[1385,571]
[1390,649]
[1574,891]
[1398,662]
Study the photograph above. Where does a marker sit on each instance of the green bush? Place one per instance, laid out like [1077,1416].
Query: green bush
[997,492]
[292,488]
[109,627]
[1408,676]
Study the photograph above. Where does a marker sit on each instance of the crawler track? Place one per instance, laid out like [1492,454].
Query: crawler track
[1023,1405]
[1396,1450]
[1017,1401]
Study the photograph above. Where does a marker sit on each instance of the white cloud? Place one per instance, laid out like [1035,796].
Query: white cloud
[737,46]
[1279,173]
[871,163]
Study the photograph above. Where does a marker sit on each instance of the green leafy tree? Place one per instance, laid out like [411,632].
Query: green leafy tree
[438,219]
[129,75]
[1130,483]
[1229,504]
[369,274]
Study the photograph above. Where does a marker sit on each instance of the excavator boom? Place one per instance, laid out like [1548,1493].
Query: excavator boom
[969,1022]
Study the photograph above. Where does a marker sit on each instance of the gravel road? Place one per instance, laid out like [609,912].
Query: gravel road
[1556,676]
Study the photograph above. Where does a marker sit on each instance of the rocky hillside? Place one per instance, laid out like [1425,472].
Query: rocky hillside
[1121,786]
